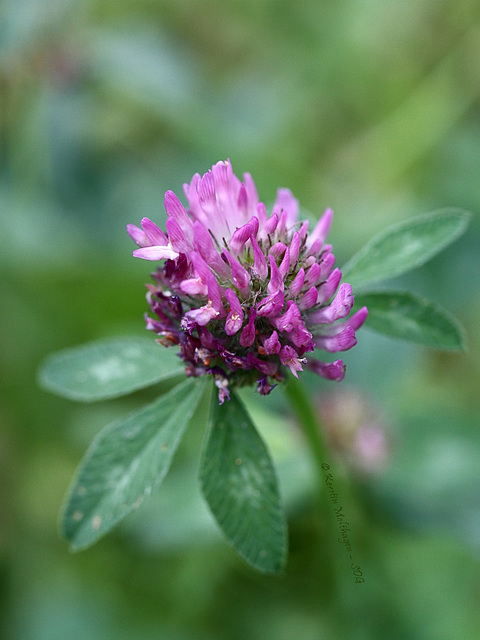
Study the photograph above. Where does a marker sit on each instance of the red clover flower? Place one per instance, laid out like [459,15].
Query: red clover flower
[245,294]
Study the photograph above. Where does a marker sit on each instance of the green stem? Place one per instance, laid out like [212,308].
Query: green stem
[310,422]
[309,419]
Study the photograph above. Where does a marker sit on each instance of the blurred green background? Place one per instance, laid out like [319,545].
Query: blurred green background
[371,108]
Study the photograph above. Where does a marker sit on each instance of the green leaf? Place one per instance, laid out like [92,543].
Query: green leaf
[405,246]
[407,316]
[240,485]
[108,368]
[125,463]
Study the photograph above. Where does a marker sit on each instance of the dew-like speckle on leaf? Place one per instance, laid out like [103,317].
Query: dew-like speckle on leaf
[112,369]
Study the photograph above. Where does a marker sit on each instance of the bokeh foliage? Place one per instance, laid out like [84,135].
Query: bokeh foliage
[370,108]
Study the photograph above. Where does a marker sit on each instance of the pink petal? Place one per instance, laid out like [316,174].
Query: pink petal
[234,320]
[242,201]
[271,305]
[176,210]
[202,269]
[242,234]
[284,266]
[138,235]
[269,227]
[302,338]
[203,243]
[240,276]
[177,237]
[326,264]
[278,249]
[357,319]
[247,337]
[308,300]
[294,249]
[329,370]
[321,229]
[289,357]
[215,295]
[267,368]
[259,261]
[286,201]
[328,288]
[154,233]
[312,275]
[282,223]
[261,214]
[342,341]
[194,287]
[227,187]
[191,190]
[339,308]
[156,253]
[202,316]
[272,344]
[303,231]
[252,196]
[206,190]
[289,320]
[276,278]
[315,248]
[297,284]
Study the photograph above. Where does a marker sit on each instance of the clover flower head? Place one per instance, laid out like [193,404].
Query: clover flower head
[245,295]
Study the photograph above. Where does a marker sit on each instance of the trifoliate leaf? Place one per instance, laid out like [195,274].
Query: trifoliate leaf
[125,463]
[240,485]
[108,368]
[410,317]
[405,246]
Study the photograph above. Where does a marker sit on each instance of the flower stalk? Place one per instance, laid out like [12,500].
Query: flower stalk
[310,422]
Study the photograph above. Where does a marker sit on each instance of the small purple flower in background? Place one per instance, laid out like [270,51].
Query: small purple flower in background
[356,430]
[244,294]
